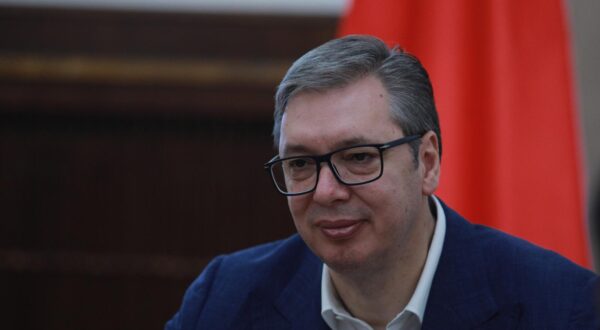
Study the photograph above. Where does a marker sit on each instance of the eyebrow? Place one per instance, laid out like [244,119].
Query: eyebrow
[299,149]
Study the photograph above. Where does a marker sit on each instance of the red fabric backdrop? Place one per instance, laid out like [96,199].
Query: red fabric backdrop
[501,71]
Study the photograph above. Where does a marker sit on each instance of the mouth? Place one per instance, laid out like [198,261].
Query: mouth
[339,229]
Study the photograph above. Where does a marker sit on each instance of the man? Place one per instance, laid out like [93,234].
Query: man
[359,160]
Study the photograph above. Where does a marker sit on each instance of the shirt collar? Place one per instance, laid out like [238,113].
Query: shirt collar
[332,309]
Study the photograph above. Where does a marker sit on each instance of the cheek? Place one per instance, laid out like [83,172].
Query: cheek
[297,206]
[387,199]
[379,194]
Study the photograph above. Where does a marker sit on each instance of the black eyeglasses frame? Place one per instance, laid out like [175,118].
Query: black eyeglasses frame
[327,158]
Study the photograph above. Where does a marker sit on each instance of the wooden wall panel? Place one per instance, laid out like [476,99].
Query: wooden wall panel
[131,152]
[165,35]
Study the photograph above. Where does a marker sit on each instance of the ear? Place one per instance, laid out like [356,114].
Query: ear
[429,162]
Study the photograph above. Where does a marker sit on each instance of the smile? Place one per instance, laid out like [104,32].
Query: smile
[339,229]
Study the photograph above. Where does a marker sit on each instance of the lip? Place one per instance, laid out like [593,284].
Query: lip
[339,229]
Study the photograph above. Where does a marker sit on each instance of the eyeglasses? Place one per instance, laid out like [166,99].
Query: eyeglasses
[351,166]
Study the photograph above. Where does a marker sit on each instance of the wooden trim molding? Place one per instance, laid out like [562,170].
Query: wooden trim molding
[99,264]
[86,69]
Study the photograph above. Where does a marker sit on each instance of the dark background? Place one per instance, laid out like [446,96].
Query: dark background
[131,152]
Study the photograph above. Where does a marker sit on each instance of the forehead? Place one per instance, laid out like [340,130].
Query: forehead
[320,121]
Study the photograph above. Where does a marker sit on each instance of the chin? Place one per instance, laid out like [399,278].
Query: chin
[343,255]
[345,260]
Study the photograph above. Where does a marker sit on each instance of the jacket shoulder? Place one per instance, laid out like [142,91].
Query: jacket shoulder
[506,253]
[546,286]
[229,283]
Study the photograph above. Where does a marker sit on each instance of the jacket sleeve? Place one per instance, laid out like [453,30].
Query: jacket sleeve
[195,298]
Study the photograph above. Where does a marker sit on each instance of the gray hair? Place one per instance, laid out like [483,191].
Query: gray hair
[340,62]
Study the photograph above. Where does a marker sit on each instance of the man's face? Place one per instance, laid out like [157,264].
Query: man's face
[354,226]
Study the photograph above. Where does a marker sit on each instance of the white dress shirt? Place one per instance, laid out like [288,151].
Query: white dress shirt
[338,318]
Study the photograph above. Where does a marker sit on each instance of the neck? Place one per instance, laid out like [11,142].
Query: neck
[376,295]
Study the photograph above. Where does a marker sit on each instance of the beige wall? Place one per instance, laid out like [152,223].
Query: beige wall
[585,30]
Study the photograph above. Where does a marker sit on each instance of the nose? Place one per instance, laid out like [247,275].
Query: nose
[329,190]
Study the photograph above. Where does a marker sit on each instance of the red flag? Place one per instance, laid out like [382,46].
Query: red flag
[501,72]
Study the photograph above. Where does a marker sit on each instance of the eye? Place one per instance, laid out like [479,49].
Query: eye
[359,156]
[297,163]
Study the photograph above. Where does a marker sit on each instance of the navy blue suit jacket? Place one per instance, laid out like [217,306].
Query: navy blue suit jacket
[485,280]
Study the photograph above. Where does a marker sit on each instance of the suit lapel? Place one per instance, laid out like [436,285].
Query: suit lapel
[461,296]
[300,301]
